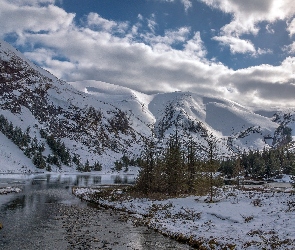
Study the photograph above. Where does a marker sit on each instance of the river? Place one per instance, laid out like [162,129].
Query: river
[45,215]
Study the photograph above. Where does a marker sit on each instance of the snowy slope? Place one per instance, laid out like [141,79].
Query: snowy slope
[12,159]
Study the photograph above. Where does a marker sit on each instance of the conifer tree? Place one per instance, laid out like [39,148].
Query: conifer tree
[174,166]
[191,165]
[146,175]
[211,164]
[38,160]
[238,170]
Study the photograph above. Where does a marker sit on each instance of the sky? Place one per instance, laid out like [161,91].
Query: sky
[242,50]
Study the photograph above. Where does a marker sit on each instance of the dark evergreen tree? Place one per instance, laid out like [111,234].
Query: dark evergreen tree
[174,166]
[87,166]
[76,159]
[38,160]
[192,163]
[211,166]
[145,181]
[53,159]
[96,166]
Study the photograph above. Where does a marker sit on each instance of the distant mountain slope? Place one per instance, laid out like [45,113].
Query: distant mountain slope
[101,122]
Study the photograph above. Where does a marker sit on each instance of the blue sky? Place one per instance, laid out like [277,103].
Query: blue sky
[229,48]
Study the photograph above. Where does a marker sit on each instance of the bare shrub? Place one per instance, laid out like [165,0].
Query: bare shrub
[257,202]
[247,218]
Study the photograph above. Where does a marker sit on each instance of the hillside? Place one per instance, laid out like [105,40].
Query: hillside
[100,122]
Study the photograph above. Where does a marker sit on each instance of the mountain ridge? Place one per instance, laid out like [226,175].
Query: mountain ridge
[101,122]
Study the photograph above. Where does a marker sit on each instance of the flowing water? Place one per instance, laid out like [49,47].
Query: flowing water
[45,215]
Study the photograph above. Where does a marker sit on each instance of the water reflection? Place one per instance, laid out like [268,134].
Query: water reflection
[25,214]
[68,179]
[32,186]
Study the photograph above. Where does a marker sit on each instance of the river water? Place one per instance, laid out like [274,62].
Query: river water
[45,215]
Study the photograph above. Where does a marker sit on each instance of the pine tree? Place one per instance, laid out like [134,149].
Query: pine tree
[38,160]
[238,170]
[97,166]
[146,174]
[87,166]
[211,164]
[191,166]
[174,166]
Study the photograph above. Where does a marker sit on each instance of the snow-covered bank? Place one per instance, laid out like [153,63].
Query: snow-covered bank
[6,190]
[239,220]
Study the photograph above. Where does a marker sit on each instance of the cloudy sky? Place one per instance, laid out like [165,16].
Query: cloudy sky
[243,50]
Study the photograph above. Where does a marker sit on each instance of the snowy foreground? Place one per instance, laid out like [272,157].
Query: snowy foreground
[252,219]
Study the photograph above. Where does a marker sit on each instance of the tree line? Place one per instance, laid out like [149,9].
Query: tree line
[263,164]
[176,168]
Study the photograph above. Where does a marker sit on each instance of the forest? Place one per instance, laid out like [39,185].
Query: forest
[177,168]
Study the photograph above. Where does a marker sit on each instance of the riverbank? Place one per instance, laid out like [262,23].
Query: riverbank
[253,219]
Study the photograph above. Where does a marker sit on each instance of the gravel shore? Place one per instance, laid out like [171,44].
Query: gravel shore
[71,227]
[97,228]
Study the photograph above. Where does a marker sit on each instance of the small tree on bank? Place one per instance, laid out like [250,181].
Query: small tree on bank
[145,179]
[175,166]
[212,164]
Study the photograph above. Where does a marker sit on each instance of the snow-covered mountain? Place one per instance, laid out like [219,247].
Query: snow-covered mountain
[100,122]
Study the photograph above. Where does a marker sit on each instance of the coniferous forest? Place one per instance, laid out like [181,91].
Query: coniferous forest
[176,168]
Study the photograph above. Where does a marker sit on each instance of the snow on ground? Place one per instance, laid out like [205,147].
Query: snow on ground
[244,219]
[6,190]
[285,178]
[12,159]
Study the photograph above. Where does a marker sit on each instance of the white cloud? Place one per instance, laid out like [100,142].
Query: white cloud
[246,17]
[170,37]
[269,29]
[101,56]
[33,2]
[195,46]
[263,51]
[96,22]
[152,23]
[265,85]
[291,27]
[45,58]
[236,45]
[290,48]
[18,19]
[246,14]
[140,17]
[187,4]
